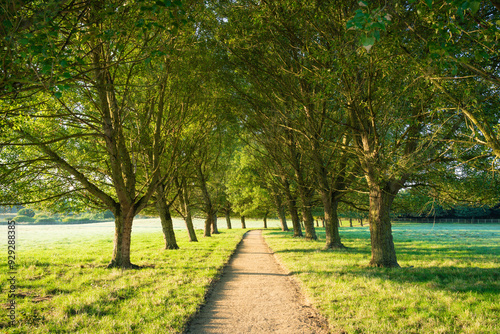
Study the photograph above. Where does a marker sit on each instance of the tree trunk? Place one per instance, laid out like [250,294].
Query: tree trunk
[331,227]
[208,226]
[281,211]
[166,224]
[383,251]
[309,223]
[227,212]
[307,214]
[243,224]
[209,209]
[189,225]
[123,237]
[188,219]
[292,208]
[228,219]
[350,222]
[214,224]
[265,220]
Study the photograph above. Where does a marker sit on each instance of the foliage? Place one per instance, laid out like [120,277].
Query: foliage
[26,212]
[24,219]
[247,188]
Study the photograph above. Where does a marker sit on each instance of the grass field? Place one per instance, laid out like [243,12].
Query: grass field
[449,281]
[63,285]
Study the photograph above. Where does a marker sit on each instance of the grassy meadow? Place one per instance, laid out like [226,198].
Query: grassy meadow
[449,281]
[63,285]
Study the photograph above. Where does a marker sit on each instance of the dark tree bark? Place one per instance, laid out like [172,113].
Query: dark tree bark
[214,224]
[280,208]
[243,223]
[228,219]
[209,209]
[227,213]
[185,207]
[122,239]
[166,224]
[330,205]
[166,219]
[292,208]
[309,223]
[382,244]
[305,192]
[265,220]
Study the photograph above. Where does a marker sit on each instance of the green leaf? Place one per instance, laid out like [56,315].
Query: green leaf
[367,41]
[429,3]
[474,6]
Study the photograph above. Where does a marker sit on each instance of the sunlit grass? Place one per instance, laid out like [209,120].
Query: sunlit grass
[65,286]
[449,281]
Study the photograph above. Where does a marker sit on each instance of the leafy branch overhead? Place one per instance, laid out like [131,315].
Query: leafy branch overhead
[370,22]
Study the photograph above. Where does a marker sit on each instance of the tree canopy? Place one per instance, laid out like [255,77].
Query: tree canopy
[250,107]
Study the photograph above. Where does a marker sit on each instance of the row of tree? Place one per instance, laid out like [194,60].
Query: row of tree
[247,106]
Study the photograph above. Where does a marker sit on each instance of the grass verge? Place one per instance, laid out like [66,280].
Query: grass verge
[449,281]
[65,287]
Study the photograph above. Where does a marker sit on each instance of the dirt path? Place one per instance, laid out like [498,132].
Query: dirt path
[255,295]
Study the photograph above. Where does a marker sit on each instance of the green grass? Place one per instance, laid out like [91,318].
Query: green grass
[449,281]
[64,286]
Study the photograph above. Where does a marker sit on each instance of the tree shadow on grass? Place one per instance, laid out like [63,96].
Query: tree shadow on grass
[450,278]
[353,250]
[454,279]
[407,249]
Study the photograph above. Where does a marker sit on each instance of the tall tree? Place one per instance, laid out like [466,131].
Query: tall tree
[109,56]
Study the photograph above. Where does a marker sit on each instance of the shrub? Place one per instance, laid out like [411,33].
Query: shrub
[26,212]
[73,220]
[23,219]
[46,220]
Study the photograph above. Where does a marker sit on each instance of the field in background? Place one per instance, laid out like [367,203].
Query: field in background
[29,236]
[449,281]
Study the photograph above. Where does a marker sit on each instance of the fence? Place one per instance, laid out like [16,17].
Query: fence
[449,220]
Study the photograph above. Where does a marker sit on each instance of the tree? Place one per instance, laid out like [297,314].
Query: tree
[97,111]
[247,186]
[396,134]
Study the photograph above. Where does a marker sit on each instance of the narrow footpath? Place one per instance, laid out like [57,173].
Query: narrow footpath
[255,295]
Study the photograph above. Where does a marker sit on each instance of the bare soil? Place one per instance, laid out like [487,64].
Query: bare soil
[255,295]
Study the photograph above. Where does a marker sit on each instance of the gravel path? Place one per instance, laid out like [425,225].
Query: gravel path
[255,295]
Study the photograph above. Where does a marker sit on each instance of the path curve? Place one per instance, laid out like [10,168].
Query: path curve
[255,295]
